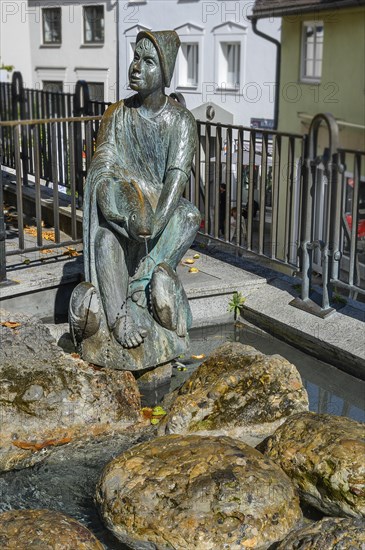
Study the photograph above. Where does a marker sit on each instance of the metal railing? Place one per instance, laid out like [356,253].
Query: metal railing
[310,204]
[260,172]
[63,167]
[47,149]
[19,103]
[333,218]
[302,209]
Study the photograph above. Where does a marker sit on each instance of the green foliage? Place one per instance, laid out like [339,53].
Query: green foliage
[7,68]
[236,304]
[338,299]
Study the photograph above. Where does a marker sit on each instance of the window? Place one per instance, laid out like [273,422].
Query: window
[189,67]
[96,91]
[231,63]
[230,53]
[312,51]
[52,86]
[94,24]
[189,70]
[51,20]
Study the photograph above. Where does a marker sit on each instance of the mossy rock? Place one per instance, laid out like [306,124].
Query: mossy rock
[327,534]
[44,530]
[325,457]
[196,492]
[239,392]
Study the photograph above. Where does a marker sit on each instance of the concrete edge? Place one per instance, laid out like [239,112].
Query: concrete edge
[325,351]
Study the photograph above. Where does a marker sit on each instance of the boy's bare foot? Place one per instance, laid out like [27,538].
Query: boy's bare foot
[127,333]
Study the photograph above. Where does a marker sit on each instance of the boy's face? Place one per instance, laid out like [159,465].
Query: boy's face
[145,73]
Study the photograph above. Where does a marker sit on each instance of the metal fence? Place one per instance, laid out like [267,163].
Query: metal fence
[248,188]
[63,168]
[271,193]
[277,195]
[19,103]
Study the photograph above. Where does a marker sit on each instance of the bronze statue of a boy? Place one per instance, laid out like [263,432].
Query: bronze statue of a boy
[132,312]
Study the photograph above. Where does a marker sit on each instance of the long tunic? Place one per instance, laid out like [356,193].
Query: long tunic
[132,147]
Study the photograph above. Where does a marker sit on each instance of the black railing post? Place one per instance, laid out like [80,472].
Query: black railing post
[2,227]
[82,107]
[18,110]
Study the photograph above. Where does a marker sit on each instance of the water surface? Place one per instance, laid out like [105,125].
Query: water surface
[66,480]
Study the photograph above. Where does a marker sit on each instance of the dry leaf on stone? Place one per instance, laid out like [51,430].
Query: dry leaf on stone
[11,324]
[188,261]
[201,356]
[193,270]
[48,235]
[196,256]
[70,251]
[147,412]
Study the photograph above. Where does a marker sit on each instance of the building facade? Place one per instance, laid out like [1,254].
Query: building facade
[222,65]
[56,43]
[322,64]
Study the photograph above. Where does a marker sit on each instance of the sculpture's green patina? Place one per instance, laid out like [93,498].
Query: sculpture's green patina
[132,312]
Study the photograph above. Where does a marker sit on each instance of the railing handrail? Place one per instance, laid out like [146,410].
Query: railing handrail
[33,122]
[250,129]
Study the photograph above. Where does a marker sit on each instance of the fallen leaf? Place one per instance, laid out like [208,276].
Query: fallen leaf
[196,256]
[201,356]
[193,270]
[72,252]
[11,324]
[147,412]
[188,261]
[155,421]
[48,235]
[46,251]
[158,411]
[30,446]
[26,261]
[75,355]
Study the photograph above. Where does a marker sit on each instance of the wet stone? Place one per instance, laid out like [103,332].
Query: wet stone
[196,492]
[44,530]
[49,398]
[324,456]
[327,534]
[239,392]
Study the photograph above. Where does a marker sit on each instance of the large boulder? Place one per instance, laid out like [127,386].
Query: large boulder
[239,392]
[327,534]
[44,530]
[325,456]
[196,492]
[48,398]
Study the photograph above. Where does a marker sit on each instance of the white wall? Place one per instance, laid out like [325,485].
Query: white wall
[21,45]
[208,22]
[74,60]
[14,37]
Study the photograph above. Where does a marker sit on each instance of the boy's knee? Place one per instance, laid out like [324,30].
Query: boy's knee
[194,216]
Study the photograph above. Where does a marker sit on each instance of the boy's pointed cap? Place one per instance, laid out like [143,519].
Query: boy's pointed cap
[167,44]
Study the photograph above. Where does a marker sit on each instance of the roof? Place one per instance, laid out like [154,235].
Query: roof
[278,8]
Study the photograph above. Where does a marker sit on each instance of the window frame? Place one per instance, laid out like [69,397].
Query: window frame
[52,82]
[51,42]
[93,42]
[183,69]
[92,96]
[189,34]
[229,33]
[224,55]
[304,77]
